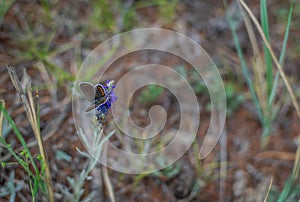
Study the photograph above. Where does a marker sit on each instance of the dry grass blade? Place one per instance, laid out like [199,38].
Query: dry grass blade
[223,167]
[2,103]
[279,67]
[286,156]
[108,184]
[296,168]
[258,64]
[270,186]
[31,106]
[17,84]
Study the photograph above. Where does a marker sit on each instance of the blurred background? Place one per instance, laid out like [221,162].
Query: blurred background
[257,156]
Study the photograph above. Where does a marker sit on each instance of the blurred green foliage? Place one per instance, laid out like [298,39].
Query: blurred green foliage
[123,15]
[168,172]
[4,6]
[150,94]
[233,96]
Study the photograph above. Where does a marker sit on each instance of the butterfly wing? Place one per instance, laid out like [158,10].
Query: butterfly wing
[100,94]
[94,93]
[88,90]
[98,103]
[93,106]
[99,91]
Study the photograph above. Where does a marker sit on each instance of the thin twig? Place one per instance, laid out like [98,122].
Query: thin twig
[108,184]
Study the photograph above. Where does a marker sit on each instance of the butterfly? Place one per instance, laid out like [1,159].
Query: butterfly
[96,94]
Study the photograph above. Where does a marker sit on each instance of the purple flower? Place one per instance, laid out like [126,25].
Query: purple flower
[103,108]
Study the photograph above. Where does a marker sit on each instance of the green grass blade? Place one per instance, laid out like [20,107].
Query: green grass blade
[245,69]
[273,92]
[282,53]
[19,136]
[21,162]
[35,186]
[268,58]
[286,35]
[8,147]
[290,191]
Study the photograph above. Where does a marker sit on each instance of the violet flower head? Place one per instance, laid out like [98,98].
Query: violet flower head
[102,109]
